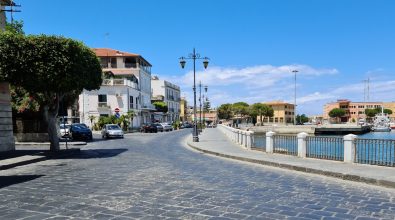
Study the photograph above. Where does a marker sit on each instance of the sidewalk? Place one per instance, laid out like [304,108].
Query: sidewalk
[213,141]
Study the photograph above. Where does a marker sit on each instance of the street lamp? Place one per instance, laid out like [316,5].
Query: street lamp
[204,104]
[295,71]
[194,56]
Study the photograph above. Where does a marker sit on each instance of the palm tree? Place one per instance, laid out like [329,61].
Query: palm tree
[92,118]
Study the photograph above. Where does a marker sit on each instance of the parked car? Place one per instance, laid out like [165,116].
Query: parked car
[159,127]
[149,128]
[111,130]
[80,132]
[166,127]
[64,130]
[187,125]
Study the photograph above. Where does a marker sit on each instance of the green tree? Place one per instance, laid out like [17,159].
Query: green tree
[371,112]
[388,111]
[302,118]
[337,113]
[207,105]
[160,106]
[240,110]
[49,68]
[225,111]
[262,111]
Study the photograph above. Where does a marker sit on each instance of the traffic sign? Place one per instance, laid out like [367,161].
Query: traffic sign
[116,110]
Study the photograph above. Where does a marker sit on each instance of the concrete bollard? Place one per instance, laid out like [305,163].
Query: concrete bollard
[349,148]
[245,140]
[270,141]
[302,144]
[249,141]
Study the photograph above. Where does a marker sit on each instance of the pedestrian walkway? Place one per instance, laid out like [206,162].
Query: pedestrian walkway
[213,141]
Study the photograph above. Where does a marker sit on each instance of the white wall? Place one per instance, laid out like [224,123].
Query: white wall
[88,102]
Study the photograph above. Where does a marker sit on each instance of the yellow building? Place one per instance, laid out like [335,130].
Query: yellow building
[283,112]
[183,110]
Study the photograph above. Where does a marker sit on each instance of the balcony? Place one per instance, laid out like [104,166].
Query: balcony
[120,82]
[103,105]
[149,107]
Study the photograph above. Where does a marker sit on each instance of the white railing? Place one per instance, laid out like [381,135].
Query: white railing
[120,82]
[348,148]
[243,138]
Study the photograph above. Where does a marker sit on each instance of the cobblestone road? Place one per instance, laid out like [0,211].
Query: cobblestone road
[154,176]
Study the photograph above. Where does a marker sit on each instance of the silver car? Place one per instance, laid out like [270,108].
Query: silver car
[111,130]
[166,127]
[64,130]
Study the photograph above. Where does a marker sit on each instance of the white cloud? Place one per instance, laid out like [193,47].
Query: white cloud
[262,76]
[267,82]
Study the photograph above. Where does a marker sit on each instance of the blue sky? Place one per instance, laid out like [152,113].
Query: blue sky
[253,44]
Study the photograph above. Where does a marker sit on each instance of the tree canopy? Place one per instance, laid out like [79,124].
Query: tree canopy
[160,106]
[48,68]
[225,111]
[337,112]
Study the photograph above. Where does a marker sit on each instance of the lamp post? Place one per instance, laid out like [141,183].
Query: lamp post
[204,104]
[295,71]
[194,56]
[200,106]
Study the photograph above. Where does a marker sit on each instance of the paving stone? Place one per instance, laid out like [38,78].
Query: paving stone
[154,176]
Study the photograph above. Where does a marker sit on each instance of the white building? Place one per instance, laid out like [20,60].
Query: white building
[126,87]
[170,94]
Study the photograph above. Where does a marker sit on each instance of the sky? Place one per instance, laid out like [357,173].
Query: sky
[253,45]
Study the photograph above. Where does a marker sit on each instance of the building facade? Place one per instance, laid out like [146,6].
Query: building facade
[283,113]
[356,110]
[170,94]
[184,110]
[126,87]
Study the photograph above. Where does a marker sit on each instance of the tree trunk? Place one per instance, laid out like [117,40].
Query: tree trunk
[50,115]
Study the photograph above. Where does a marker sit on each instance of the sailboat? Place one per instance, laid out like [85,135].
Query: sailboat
[381,122]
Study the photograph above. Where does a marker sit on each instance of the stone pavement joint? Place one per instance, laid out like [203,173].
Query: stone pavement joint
[213,141]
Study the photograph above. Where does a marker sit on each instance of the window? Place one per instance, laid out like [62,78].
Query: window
[104,62]
[130,62]
[113,62]
[102,98]
[131,101]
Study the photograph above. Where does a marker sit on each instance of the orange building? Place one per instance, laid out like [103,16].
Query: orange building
[356,110]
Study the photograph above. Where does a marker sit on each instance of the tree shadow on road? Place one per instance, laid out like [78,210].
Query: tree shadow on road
[11,180]
[95,153]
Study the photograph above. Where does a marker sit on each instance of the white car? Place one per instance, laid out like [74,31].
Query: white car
[111,130]
[166,127]
[64,129]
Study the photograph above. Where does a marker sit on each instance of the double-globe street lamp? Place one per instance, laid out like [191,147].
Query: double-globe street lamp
[194,56]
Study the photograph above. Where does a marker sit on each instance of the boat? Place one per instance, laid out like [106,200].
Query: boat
[381,122]
[392,125]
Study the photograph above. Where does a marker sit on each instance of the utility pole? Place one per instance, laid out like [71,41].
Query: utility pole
[295,71]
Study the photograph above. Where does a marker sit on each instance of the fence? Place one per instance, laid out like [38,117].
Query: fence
[259,143]
[243,138]
[349,148]
[330,148]
[285,144]
[375,151]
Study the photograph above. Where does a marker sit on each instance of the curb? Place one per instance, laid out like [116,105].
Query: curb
[371,181]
